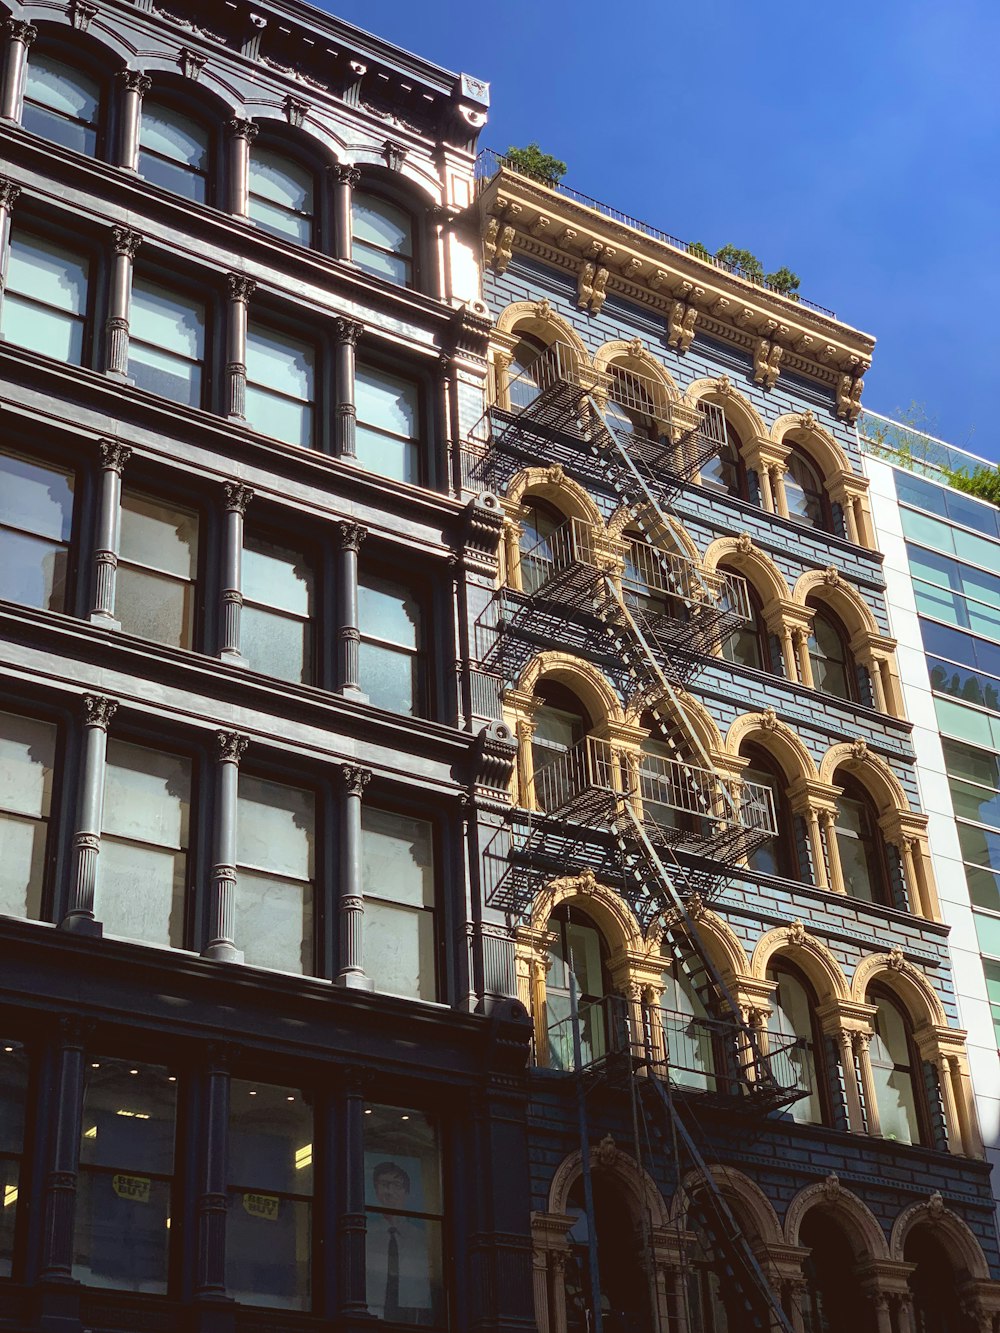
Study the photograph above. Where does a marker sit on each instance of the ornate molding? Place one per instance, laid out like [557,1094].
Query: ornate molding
[343,173]
[231,746]
[9,191]
[238,496]
[347,330]
[238,128]
[135,81]
[241,287]
[355,779]
[295,109]
[191,63]
[350,536]
[114,454]
[394,154]
[98,710]
[125,241]
[20,30]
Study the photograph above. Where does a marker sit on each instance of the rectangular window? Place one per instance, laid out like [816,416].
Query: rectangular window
[45,302]
[142,868]
[36,520]
[276,855]
[992,971]
[123,1205]
[157,568]
[398,884]
[391,663]
[13,1087]
[404,1261]
[269,1223]
[388,425]
[166,350]
[281,380]
[27,757]
[276,633]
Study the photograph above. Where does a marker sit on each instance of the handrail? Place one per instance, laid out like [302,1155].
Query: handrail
[489,162]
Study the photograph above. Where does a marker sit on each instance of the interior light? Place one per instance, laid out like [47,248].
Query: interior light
[289,1099]
[404,1117]
[90,1133]
[134,1115]
[133,1071]
[168,1223]
[95,1065]
[303,1156]
[253,1092]
[8,1049]
[171,1078]
[9,1195]
[368,1110]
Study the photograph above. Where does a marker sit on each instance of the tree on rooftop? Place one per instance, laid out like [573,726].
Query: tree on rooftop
[531,161]
[742,262]
[784,281]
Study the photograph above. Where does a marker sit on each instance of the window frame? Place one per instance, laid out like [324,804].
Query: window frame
[288,321]
[300,153]
[820,494]
[187,289]
[37,225]
[26,1158]
[59,459]
[322,621]
[423,656]
[757,626]
[374,185]
[785,842]
[820,1065]
[84,60]
[830,618]
[180,101]
[880,994]
[153,486]
[430,467]
[873,840]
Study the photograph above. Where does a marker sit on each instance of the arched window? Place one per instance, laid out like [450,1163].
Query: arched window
[282,195]
[714,1302]
[806,494]
[580,951]
[776,856]
[937,1304]
[675,798]
[797,1041]
[383,239]
[524,382]
[650,578]
[896,1068]
[861,845]
[631,408]
[174,151]
[749,645]
[725,471]
[689,1036]
[833,1298]
[62,103]
[538,555]
[833,666]
[624,1281]
[558,758]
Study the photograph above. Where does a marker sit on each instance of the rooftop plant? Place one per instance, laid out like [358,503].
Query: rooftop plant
[531,161]
[746,265]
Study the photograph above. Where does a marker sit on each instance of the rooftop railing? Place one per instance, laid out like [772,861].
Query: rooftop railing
[489,162]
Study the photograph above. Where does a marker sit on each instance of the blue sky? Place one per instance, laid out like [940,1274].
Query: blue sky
[859,144]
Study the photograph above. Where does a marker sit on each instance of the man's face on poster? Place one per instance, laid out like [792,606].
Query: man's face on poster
[392,1187]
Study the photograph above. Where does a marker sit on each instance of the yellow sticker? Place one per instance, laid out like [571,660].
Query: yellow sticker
[134,1188]
[262,1205]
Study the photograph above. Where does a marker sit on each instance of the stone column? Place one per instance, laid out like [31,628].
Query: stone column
[135,86]
[905,846]
[832,851]
[956,1142]
[540,1288]
[778,489]
[557,1303]
[352,903]
[351,1222]
[346,333]
[801,639]
[240,134]
[818,849]
[862,1041]
[238,497]
[350,538]
[344,179]
[210,1282]
[855,1114]
[98,712]
[795,1302]
[241,289]
[502,361]
[766,494]
[20,35]
[965,1105]
[883,1317]
[125,244]
[904,1314]
[221,947]
[8,196]
[63,1164]
[114,456]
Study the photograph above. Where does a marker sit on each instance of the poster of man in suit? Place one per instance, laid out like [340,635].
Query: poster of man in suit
[398,1250]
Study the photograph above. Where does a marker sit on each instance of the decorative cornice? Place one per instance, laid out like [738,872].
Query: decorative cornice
[692,294]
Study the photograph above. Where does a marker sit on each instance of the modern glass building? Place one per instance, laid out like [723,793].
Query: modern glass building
[942,569]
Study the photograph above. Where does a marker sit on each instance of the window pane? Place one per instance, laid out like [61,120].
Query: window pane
[159,536]
[48,274]
[393,268]
[277,576]
[398,857]
[382,225]
[154,606]
[268,1228]
[276,645]
[274,922]
[403,1196]
[280,222]
[280,180]
[979,846]
[852,838]
[41,329]
[27,754]
[894,1089]
[388,612]
[164,373]
[61,88]
[36,498]
[172,176]
[274,897]
[390,678]
[32,572]
[277,642]
[166,320]
[140,892]
[386,402]
[123,1210]
[276,827]
[172,135]
[280,363]
[281,418]
[399,950]
[13,1085]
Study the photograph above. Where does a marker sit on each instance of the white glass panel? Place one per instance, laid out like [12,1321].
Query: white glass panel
[399,950]
[386,402]
[279,362]
[27,752]
[397,857]
[399,460]
[387,611]
[561,730]
[159,536]
[393,268]
[164,373]
[276,645]
[173,135]
[35,498]
[163,318]
[147,795]
[390,678]
[280,221]
[276,826]
[41,329]
[140,892]
[381,224]
[274,921]
[277,576]
[155,606]
[418,1278]
[122,1237]
[22,865]
[281,418]
[31,571]
[47,273]
[61,87]
[280,180]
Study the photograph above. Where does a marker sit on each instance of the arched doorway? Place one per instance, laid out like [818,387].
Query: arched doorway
[937,1306]
[622,1259]
[833,1301]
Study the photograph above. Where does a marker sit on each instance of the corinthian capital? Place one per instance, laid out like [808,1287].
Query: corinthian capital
[98,710]
[232,746]
[355,779]
[241,288]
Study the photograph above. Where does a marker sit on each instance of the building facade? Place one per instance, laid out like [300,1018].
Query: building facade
[942,550]
[246,1081]
[717,867]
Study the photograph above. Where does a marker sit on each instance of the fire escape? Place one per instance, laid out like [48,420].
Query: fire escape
[665,827]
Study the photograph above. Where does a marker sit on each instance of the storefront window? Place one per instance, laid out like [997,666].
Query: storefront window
[13,1086]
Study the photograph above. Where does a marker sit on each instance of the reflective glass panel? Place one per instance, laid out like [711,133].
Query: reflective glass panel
[27,759]
[36,515]
[281,195]
[388,424]
[173,151]
[45,302]
[398,884]
[853,841]
[13,1088]
[154,596]
[790,1022]
[891,1067]
[166,342]
[275,633]
[280,385]
[383,240]
[61,103]
[829,660]
[276,867]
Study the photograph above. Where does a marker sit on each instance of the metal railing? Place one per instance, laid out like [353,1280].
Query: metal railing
[489,162]
[678,797]
[590,765]
[653,575]
[573,543]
